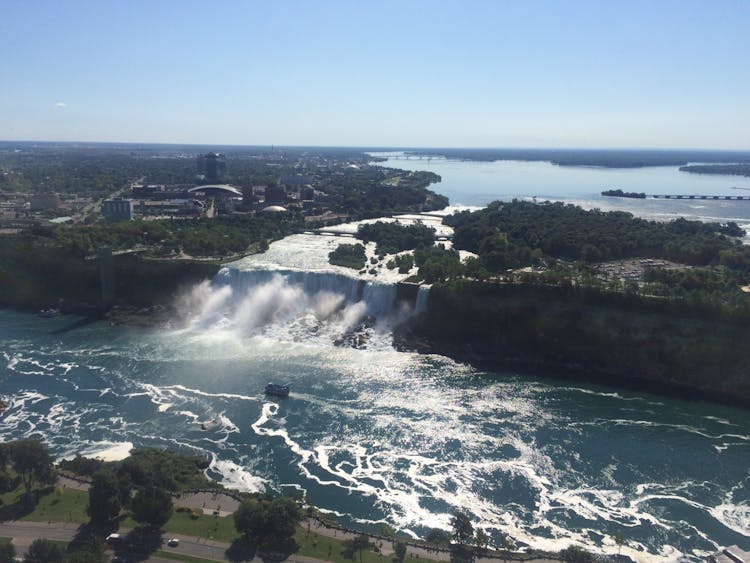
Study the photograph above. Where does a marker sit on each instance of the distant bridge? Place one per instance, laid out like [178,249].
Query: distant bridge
[332,232]
[711,197]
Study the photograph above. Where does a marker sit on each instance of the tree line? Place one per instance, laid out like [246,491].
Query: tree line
[510,235]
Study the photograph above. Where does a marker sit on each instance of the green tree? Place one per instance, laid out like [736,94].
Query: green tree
[86,548]
[7,553]
[463,530]
[6,483]
[357,544]
[620,541]
[152,506]
[399,550]
[104,497]
[32,462]
[268,523]
[44,551]
[349,256]
[574,554]
[438,537]
[386,530]
[481,539]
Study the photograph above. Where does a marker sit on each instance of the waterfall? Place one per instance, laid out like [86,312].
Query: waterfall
[379,298]
[292,291]
[423,294]
[244,280]
[254,300]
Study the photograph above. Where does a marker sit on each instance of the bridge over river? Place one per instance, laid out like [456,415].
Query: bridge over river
[691,196]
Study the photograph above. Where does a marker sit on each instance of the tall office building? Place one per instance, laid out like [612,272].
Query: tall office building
[212,166]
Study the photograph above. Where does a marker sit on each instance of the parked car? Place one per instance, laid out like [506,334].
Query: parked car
[174,542]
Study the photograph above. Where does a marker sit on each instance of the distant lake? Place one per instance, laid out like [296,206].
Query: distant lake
[479,182]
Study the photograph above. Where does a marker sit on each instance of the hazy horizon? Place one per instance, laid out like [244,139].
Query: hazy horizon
[377,148]
[540,74]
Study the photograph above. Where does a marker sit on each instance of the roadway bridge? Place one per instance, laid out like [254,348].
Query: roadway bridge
[333,233]
[711,197]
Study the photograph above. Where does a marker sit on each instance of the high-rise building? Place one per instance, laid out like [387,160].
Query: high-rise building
[212,166]
[117,209]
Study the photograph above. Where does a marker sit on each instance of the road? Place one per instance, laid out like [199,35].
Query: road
[23,533]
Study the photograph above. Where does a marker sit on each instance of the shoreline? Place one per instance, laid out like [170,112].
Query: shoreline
[405,340]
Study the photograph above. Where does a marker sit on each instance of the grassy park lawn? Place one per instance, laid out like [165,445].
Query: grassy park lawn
[62,505]
[204,526]
[58,505]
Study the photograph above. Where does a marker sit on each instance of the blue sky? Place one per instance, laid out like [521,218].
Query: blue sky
[531,73]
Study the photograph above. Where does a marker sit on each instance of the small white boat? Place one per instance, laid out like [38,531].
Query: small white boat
[49,313]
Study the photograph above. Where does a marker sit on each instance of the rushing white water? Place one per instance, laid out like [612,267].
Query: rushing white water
[293,287]
[374,435]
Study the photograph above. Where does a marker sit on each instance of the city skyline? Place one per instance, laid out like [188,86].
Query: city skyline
[548,74]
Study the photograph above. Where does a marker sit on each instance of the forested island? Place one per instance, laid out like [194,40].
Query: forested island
[559,290]
[620,193]
[555,289]
[726,169]
[609,158]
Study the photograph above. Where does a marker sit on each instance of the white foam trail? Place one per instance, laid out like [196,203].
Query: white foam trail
[207,394]
[235,476]
[108,451]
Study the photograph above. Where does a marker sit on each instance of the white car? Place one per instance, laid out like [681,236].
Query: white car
[113,539]
[174,542]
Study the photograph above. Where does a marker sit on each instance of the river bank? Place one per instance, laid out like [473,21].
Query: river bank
[614,340]
[36,276]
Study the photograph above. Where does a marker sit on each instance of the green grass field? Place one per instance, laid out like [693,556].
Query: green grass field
[204,526]
[62,505]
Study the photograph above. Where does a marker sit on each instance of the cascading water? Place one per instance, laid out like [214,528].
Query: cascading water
[292,288]
[423,294]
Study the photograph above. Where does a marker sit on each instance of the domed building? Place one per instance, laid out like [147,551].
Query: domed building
[274,209]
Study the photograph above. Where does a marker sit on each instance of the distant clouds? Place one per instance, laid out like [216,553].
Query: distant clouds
[61,105]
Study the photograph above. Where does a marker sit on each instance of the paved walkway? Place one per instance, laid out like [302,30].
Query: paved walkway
[210,503]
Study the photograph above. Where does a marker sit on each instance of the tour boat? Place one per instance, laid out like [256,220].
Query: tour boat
[276,389]
[49,313]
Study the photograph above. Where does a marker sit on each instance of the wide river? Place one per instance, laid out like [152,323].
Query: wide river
[379,436]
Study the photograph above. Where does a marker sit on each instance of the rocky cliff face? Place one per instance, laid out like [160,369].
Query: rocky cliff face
[35,276]
[610,339]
